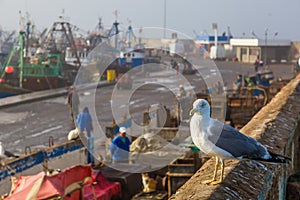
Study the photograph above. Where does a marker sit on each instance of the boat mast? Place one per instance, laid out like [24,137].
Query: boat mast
[129,34]
[27,34]
[114,31]
[21,50]
[21,40]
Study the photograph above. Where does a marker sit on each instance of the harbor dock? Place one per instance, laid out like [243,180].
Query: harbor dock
[47,114]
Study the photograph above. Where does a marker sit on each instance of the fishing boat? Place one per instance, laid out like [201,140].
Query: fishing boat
[34,67]
[22,74]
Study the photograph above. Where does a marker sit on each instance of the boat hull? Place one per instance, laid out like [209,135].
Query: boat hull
[7,91]
[31,84]
[42,83]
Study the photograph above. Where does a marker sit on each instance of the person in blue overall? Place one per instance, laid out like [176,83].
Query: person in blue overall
[84,124]
[119,147]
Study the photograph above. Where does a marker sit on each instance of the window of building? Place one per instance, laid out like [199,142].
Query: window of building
[244,51]
[254,52]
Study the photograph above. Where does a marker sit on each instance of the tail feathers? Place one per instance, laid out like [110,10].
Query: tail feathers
[276,158]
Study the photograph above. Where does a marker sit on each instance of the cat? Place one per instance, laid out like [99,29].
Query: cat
[148,183]
[52,172]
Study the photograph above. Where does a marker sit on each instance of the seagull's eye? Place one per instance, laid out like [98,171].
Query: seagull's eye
[202,105]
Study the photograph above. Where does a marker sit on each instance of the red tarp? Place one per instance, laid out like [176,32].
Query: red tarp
[78,181]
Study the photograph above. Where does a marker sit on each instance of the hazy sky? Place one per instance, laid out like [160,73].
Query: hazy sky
[186,16]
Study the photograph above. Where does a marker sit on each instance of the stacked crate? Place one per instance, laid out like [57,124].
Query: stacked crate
[182,170]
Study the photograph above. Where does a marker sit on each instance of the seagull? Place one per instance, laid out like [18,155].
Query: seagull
[215,138]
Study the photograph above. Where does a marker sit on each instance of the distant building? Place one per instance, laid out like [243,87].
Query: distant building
[207,47]
[209,41]
[270,51]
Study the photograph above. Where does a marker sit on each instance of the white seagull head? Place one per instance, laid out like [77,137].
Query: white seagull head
[200,106]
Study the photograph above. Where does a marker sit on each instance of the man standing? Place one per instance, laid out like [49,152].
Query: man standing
[258,62]
[85,125]
[119,147]
[84,121]
[182,92]
[73,102]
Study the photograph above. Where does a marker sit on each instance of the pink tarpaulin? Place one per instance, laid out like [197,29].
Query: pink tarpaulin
[78,182]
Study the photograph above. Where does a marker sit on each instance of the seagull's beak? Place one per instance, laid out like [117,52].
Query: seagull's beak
[192,111]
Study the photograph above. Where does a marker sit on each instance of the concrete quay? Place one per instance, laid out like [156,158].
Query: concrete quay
[45,94]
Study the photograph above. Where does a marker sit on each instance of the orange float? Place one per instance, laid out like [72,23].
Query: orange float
[9,69]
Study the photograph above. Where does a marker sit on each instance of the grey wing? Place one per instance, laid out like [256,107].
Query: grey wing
[234,142]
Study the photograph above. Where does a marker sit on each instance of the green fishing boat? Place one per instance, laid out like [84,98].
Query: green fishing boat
[24,74]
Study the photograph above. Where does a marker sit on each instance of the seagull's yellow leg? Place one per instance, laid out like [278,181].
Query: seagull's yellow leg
[222,173]
[215,172]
